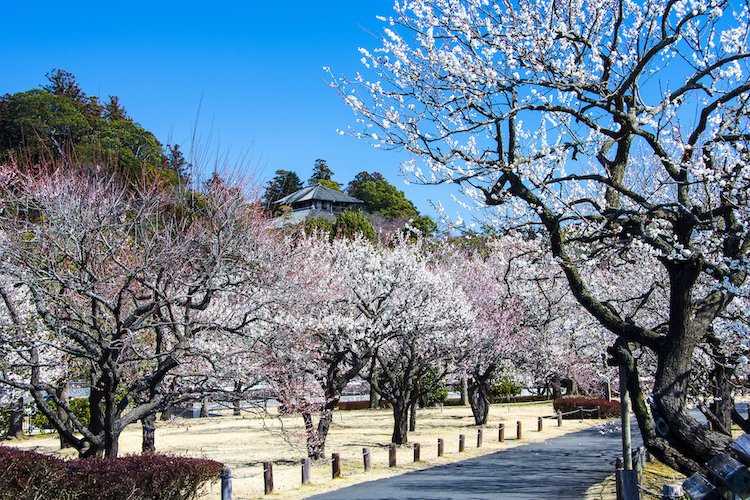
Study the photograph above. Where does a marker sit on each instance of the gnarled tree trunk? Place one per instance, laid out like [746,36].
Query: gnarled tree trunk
[400,422]
[148,427]
[15,420]
[413,416]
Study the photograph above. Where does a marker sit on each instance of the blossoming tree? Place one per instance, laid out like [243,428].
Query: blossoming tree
[118,284]
[620,128]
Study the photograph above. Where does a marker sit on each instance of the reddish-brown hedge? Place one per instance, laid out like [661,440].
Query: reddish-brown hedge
[28,474]
[607,409]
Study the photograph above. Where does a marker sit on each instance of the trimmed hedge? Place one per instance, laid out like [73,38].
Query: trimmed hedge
[607,409]
[27,474]
[529,398]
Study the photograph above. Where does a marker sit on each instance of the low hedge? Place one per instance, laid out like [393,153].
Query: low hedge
[529,398]
[27,474]
[607,409]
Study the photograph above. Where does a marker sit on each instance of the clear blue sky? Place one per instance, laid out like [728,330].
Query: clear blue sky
[254,68]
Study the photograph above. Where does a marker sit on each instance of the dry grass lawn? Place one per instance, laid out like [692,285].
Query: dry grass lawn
[244,442]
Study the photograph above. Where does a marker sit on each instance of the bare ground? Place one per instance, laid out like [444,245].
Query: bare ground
[245,442]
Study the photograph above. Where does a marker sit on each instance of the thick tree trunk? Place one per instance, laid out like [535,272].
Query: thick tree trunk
[723,402]
[374,396]
[413,417]
[373,382]
[148,427]
[112,445]
[556,387]
[479,400]
[63,394]
[204,408]
[464,390]
[236,403]
[316,435]
[15,423]
[400,422]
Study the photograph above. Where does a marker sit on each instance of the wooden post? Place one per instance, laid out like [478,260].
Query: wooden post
[461,443]
[540,424]
[559,418]
[479,438]
[226,483]
[441,447]
[305,471]
[598,412]
[335,466]
[268,477]
[416,452]
[627,459]
[501,432]
[519,430]
[366,459]
[392,455]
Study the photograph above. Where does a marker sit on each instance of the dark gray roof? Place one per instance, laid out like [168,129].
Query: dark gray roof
[317,192]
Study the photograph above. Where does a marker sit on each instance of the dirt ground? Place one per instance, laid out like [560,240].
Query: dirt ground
[245,442]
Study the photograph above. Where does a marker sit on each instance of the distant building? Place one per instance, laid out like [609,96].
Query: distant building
[315,201]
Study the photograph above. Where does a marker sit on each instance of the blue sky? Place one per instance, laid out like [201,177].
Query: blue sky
[253,68]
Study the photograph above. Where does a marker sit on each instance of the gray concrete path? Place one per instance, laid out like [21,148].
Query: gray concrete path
[562,467]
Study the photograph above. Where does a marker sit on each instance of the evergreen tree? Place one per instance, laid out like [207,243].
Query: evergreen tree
[284,183]
[323,175]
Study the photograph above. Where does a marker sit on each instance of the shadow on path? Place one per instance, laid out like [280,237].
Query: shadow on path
[562,467]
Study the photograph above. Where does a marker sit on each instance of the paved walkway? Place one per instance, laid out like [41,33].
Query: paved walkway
[562,467]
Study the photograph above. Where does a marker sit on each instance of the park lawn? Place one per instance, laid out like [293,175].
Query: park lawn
[245,442]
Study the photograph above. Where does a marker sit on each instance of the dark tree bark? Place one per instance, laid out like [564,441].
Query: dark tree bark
[556,387]
[204,408]
[63,393]
[400,423]
[148,427]
[15,423]
[413,416]
[316,435]
[237,399]
[479,393]
[373,381]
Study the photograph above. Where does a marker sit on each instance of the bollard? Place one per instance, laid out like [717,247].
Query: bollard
[479,438]
[268,477]
[441,445]
[618,479]
[392,455]
[501,432]
[226,483]
[519,430]
[305,471]
[335,466]
[416,452]
[461,443]
[559,418]
[540,424]
[366,458]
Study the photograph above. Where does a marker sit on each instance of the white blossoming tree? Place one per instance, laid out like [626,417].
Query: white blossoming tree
[620,128]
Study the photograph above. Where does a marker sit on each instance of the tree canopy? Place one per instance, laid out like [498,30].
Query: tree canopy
[323,175]
[283,183]
[59,123]
[383,198]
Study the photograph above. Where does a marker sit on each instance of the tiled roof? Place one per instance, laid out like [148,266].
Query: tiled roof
[317,192]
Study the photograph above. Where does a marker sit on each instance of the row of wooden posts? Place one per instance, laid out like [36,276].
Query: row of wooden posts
[226,475]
